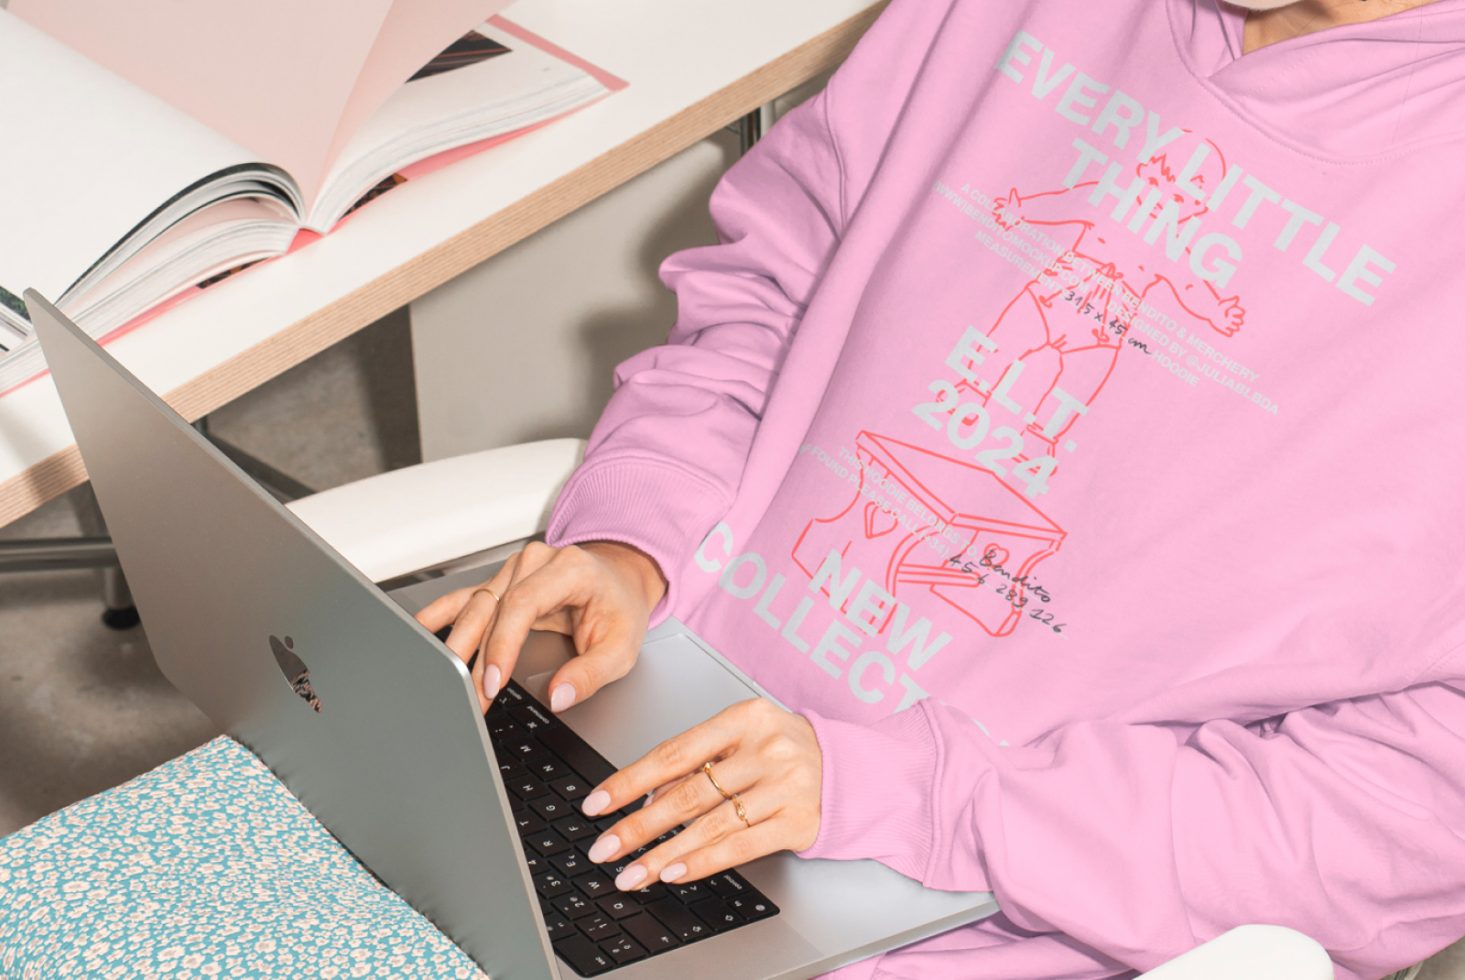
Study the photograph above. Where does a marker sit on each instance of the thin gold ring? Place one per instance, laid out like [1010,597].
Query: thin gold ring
[707,768]
[738,808]
[489,591]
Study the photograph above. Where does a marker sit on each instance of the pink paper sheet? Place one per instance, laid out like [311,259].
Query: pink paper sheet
[289,81]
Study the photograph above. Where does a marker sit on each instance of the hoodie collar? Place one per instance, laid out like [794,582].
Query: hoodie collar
[1351,93]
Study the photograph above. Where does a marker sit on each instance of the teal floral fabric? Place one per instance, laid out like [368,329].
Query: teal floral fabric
[204,867]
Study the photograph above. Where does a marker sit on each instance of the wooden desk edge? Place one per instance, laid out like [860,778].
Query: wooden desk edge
[63,470]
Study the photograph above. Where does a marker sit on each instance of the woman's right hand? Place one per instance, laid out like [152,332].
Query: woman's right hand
[599,593]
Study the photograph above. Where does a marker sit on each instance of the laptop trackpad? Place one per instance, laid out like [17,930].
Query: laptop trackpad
[674,685]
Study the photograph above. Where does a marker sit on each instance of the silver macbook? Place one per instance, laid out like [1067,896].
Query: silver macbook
[373,723]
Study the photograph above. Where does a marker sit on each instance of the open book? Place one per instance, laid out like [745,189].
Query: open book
[113,198]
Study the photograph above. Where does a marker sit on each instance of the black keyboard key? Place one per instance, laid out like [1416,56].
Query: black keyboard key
[615,869]
[522,748]
[571,748]
[535,863]
[650,932]
[546,767]
[530,716]
[501,727]
[595,884]
[558,926]
[551,807]
[547,842]
[587,958]
[526,787]
[574,905]
[618,906]
[752,907]
[649,894]
[623,950]
[598,926]
[690,891]
[718,915]
[680,920]
[572,788]
[574,828]
[551,885]
[529,823]
[726,885]
[572,863]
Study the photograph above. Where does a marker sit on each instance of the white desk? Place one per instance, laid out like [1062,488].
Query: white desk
[693,66]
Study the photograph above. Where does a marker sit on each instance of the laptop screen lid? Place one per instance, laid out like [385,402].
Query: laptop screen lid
[385,744]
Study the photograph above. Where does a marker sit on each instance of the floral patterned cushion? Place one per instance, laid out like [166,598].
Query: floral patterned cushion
[204,867]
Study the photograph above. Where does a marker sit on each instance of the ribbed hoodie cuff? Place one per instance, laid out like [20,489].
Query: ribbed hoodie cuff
[658,508]
[875,801]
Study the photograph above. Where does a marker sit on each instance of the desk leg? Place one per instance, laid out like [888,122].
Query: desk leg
[118,610]
[751,127]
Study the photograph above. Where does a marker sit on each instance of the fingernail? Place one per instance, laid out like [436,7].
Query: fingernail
[604,848]
[595,802]
[631,877]
[673,872]
[493,678]
[561,697]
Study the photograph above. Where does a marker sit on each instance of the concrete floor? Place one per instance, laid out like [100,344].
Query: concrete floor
[83,708]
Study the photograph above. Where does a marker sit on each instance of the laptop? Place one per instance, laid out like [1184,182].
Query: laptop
[374,725]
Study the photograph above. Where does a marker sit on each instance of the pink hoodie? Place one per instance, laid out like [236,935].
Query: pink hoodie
[1066,424]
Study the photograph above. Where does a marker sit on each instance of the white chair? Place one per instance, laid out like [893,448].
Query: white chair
[455,512]
[480,507]
[1253,952]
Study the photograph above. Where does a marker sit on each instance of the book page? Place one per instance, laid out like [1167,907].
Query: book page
[487,83]
[289,80]
[87,158]
[413,32]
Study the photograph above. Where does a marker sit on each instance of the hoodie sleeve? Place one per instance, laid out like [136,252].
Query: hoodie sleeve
[1345,821]
[664,461]
[666,458]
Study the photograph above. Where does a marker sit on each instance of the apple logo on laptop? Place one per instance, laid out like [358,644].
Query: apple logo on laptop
[294,669]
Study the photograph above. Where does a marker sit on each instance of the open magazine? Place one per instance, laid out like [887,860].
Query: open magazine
[113,200]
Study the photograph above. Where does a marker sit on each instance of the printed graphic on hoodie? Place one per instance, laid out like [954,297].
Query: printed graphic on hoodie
[1017,390]
[1106,256]
[1130,248]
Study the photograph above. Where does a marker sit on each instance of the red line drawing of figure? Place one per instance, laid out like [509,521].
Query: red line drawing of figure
[1055,346]
[994,534]
[1067,325]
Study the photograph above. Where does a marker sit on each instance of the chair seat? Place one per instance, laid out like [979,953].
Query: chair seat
[206,866]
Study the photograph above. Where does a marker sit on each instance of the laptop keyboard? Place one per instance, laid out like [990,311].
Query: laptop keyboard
[593,926]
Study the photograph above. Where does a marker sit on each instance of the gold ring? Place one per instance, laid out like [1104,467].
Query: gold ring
[738,808]
[707,768]
[489,591]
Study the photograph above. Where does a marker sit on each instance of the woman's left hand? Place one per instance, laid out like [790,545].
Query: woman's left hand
[769,757]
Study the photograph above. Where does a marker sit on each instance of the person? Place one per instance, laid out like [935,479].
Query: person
[1063,428]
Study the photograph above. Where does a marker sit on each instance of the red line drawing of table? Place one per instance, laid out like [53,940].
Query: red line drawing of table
[989,526]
